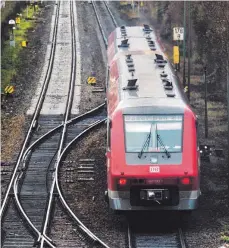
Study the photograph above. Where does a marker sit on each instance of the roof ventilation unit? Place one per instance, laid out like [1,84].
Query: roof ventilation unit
[167,84]
[131,69]
[129,59]
[130,63]
[163,74]
[152,45]
[124,43]
[131,85]
[160,60]
[147,28]
[123,31]
[169,94]
[151,42]
[124,34]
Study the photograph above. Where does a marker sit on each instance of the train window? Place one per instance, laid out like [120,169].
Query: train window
[108,133]
[197,135]
[167,128]
[107,77]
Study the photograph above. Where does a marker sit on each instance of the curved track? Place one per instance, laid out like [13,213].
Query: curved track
[81,226]
[33,184]
[63,133]
[16,233]
[33,123]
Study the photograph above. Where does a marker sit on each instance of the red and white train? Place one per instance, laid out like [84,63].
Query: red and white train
[152,149]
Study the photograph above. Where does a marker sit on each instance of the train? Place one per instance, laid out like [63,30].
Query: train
[152,155]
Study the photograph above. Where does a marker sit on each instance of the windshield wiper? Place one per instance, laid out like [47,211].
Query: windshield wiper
[162,144]
[146,143]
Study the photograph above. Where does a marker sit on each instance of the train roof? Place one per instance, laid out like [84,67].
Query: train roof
[145,76]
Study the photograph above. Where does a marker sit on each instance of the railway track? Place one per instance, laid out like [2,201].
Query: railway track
[84,169]
[32,188]
[32,184]
[56,156]
[76,128]
[158,239]
[105,18]
[18,229]
[34,119]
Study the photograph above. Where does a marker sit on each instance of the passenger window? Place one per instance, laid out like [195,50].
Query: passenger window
[107,77]
[197,134]
[108,134]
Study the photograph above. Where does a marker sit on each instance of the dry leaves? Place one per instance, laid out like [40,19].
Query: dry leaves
[11,136]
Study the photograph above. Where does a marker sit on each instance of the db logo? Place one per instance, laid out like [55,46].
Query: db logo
[154,169]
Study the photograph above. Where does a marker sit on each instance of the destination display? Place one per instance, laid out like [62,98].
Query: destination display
[153,117]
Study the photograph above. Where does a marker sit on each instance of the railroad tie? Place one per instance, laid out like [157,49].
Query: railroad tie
[85,170]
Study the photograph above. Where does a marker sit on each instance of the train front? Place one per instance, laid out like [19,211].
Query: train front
[153,160]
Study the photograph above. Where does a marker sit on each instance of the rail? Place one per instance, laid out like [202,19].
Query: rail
[67,111]
[32,146]
[39,235]
[100,25]
[69,122]
[112,17]
[62,199]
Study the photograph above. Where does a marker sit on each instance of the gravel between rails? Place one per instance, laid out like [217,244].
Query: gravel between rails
[58,87]
[93,58]
[64,233]
[87,199]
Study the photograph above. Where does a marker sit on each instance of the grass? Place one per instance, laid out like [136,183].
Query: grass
[14,139]
[217,114]
[225,234]
[216,105]
[10,60]
[7,10]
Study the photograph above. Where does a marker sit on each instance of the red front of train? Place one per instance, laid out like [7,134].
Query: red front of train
[152,148]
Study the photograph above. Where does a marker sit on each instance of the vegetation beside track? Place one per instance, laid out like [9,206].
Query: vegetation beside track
[15,62]
[7,10]
[15,137]
[225,234]
[209,33]
[10,59]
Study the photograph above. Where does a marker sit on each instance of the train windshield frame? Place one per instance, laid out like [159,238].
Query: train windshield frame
[168,127]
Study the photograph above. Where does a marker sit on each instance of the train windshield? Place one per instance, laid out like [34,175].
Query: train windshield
[167,127]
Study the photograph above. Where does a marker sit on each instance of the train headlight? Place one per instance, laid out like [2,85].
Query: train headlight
[122,181]
[185,180]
